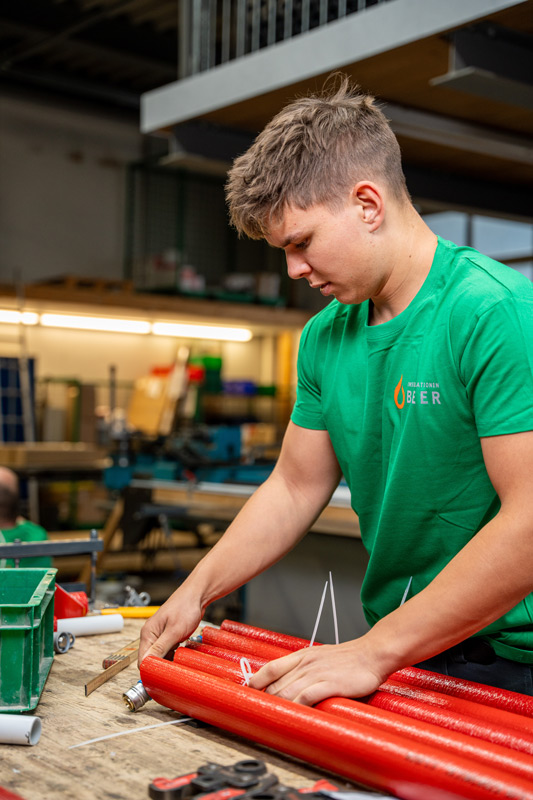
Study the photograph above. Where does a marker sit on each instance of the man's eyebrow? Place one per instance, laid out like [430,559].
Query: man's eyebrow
[293,238]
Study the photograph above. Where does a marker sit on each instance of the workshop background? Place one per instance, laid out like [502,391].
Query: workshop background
[118,121]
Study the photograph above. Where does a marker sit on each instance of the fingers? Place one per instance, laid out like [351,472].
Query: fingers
[169,626]
[273,671]
[160,647]
[312,694]
[313,674]
[287,677]
[157,638]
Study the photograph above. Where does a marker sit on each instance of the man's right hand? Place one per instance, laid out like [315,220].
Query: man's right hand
[174,622]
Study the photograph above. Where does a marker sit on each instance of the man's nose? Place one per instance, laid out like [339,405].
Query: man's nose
[297,266]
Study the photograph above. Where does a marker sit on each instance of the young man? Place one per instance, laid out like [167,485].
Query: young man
[416,383]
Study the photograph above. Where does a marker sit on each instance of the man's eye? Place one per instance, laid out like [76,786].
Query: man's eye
[301,245]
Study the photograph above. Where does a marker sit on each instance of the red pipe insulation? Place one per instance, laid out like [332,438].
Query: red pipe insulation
[462,745]
[507,737]
[471,718]
[233,641]
[485,752]
[271,637]
[467,690]
[229,655]
[359,752]
[204,662]
[492,716]
[434,709]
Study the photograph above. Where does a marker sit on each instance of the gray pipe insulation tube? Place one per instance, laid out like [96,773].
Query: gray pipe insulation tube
[91,625]
[19,729]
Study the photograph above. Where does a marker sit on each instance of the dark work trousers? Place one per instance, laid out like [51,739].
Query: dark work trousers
[475,660]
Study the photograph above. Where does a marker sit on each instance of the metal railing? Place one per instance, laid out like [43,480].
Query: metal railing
[213,32]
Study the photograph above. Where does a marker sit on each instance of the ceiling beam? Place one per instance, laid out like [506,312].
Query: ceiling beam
[427,127]
[356,37]
[491,62]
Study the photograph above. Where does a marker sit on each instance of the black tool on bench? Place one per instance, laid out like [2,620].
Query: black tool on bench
[240,778]
[248,780]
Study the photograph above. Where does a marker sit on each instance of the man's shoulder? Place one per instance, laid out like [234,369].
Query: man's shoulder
[482,275]
[476,283]
[29,531]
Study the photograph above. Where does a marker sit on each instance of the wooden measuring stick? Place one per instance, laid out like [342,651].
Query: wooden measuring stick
[113,665]
[127,653]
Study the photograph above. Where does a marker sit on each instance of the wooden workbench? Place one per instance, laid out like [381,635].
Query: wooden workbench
[121,767]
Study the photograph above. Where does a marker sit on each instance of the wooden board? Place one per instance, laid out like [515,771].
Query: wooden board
[121,767]
[53,454]
[335,519]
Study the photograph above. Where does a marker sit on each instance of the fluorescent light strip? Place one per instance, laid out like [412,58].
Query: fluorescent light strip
[110,325]
[17,317]
[184,331]
[95,323]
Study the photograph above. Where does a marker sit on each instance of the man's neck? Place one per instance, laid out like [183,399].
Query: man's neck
[411,261]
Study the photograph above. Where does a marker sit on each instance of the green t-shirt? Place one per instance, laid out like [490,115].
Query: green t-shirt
[405,404]
[26,531]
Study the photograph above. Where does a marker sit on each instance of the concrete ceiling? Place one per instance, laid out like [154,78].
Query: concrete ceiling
[475,134]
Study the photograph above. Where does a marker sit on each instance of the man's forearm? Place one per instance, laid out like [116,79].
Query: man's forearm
[486,579]
[270,523]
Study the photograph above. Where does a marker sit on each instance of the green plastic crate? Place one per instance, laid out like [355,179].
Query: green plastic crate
[26,636]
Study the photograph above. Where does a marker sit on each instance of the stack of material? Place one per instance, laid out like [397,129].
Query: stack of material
[421,735]
[52,455]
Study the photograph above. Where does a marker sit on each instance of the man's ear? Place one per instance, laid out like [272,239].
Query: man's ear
[368,197]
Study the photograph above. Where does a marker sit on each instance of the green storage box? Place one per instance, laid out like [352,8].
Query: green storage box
[26,635]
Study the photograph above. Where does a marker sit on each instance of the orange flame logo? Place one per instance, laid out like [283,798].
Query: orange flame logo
[397,391]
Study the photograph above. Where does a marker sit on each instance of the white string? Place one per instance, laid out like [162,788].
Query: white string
[404,598]
[133,730]
[246,670]
[334,608]
[311,643]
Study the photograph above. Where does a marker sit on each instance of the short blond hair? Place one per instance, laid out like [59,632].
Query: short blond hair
[313,151]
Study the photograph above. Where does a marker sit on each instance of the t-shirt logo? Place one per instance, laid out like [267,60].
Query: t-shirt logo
[399,388]
[423,393]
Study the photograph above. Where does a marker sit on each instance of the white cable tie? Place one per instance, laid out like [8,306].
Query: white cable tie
[404,598]
[246,670]
[133,730]
[334,608]
[311,643]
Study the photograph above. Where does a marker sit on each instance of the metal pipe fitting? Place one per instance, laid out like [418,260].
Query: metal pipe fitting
[136,697]
[63,641]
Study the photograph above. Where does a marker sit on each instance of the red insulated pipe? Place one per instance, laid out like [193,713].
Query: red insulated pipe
[467,690]
[484,752]
[204,662]
[492,716]
[413,676]
[511,730]
[443,717]
[358,752]
[507,737]
[271,637]
[233,641]
[229,655]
